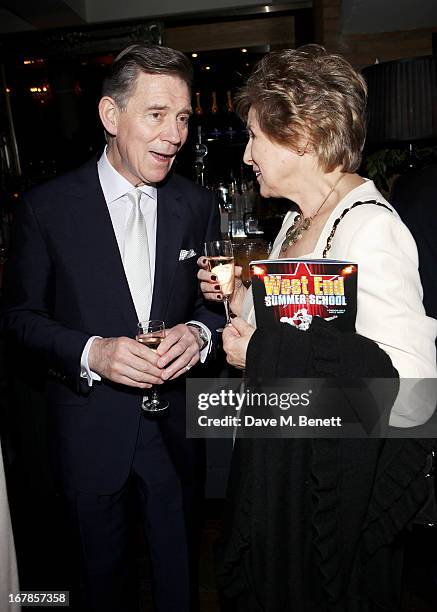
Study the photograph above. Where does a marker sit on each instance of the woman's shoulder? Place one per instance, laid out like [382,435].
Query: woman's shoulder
[366,200]
[367,220]
[365,207]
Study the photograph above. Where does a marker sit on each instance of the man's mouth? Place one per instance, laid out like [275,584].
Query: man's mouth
[162,157]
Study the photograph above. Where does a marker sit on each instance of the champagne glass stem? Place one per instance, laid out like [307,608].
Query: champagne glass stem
[153,403]
[227,309]
[155,398]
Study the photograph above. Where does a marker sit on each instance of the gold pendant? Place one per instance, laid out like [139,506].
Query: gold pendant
[295,232]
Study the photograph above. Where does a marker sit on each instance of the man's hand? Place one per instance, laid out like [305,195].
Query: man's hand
[125,361]
[179,349]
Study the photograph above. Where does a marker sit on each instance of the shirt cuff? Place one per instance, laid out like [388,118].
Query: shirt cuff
[206,349]
[85,371]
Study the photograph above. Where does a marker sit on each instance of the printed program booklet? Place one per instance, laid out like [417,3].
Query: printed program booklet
[296,290]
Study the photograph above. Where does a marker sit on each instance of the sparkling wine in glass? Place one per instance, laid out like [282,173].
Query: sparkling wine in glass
[151,334]
[220,256]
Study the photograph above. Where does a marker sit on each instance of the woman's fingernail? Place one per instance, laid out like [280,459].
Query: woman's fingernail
[213,277]
[219,297]
[217,287]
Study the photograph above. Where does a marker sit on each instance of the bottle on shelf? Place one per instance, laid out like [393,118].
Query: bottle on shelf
[201,151]
[215,131]
[199,115]
[251,217]
[225,204]
[229,102]
[198,110]
[231,119]
[214,105]
[237,220]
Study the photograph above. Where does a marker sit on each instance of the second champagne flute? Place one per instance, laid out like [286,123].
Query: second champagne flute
[220,256]
[245,252]
[151,334]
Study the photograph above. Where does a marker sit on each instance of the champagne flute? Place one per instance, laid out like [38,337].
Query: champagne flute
[221,262]
[245,252]
[151,334]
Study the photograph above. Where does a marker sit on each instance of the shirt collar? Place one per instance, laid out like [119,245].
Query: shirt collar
[114,185]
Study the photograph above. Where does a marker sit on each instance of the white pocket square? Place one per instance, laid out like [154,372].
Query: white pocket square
[186,254]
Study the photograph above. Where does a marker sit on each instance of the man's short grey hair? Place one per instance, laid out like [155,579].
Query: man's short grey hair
[150,59]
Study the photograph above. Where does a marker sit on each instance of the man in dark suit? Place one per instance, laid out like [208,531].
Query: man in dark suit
[94,252]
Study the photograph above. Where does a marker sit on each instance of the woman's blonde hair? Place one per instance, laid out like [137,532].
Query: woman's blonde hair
[307,98]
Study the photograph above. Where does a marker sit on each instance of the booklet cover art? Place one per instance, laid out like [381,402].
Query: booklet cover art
[295,290]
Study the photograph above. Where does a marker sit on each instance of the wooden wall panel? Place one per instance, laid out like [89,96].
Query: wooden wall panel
[234,34]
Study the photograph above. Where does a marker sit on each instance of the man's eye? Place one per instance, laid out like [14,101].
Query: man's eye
[184,119]
[155,116]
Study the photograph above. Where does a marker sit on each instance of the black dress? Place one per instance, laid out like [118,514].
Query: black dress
[315,525]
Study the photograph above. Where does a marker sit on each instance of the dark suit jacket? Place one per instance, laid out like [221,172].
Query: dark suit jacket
[65,282]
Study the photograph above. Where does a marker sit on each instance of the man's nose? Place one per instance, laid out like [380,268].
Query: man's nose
[173,132]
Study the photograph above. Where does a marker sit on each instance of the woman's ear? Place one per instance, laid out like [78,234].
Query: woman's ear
[109,111]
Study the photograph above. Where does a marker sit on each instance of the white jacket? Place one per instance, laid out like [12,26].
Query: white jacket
[389,301]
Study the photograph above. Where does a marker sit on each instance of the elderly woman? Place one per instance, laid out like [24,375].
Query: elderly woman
[316,524]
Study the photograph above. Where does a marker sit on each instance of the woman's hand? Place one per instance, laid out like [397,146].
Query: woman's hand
[211,289]
[235,342]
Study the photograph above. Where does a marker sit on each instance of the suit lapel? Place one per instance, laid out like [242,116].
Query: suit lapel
[99,244]
[99,249]
[170,227]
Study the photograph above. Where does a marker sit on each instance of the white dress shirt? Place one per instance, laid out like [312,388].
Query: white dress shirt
[115,188]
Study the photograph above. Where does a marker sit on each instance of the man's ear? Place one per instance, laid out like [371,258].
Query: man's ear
[109,112]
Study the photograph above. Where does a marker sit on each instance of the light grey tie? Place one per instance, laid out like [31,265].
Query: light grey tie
[136,258]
